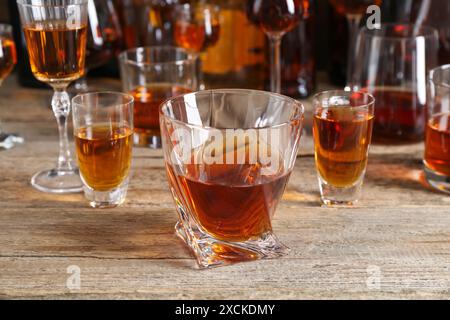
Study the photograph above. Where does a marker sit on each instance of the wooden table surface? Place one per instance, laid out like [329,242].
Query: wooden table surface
[394,244]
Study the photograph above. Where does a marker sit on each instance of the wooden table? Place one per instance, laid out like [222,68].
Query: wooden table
[394,244]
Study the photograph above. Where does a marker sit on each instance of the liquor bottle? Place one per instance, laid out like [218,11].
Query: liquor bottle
[237,60]
[298,63]
[433,13]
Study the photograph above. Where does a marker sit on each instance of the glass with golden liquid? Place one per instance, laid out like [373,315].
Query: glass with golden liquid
[56,34]
[342,129]
[152,75]
[103,130]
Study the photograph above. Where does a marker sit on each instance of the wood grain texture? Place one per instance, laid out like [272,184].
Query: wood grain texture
[400,228]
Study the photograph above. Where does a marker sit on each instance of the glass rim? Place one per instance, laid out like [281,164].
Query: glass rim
[43,4]
[425,31]
[293,101]
[439,83]
[331,93]
[129,98]
[190,56]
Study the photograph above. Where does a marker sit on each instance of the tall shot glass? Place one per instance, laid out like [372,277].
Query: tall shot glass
[103,129]
[229,154]
[437,134]
[342,129]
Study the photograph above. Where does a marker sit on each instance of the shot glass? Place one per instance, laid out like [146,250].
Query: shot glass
[342,129]
[229,154]
[437,134]
[103,129]
[152,75]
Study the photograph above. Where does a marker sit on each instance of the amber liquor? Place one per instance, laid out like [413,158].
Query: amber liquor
[232,202]
[437,144]
[147,100]
[341,137]
[104,155]
[399,116]
[278,16]
[57,52]
[8,57]
[196,37]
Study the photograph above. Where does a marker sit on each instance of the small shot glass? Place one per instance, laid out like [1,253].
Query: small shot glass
[103,130]
[342,129]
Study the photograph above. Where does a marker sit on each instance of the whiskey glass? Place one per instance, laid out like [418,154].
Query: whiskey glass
[437,134]
[276,17]
[229,154]
[353,10]
[152,75]
[342,130]
[103,131]
[392,64]
[8,58]
[55,33]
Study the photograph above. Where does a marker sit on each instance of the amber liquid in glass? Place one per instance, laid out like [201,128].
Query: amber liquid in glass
[437,144]
[8,57]
[399,116]
[275,16]
[341,138]
[234,202]
[146,105]
[355,7]
[104,155]
[57,52]
[196,37]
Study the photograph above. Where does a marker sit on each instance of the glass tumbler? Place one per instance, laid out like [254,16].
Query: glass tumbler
[437,137]
[103,129]
[342,130]
[152,75]
[392,64]
[229,154]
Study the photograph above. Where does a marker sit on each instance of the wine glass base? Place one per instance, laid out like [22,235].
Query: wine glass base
[58,181]
[9,141]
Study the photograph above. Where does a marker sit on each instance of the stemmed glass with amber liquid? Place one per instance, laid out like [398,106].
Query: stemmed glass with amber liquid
[8,58]
[353,10]
[197,28]
[55,33]
[276,17]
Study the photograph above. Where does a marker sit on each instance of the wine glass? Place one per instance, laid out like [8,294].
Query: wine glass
[276,17]
[353,10]
[197,28]
[104,37]
[55,34]
[8,58]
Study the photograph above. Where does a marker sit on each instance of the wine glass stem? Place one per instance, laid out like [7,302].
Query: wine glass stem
[275,63]
[353,21]
[61,109]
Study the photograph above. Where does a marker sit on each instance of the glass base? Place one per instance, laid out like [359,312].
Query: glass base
[339,196]
[9,141]
[57,181]
[211,252]
[146,139]
[437,181]
[106,199]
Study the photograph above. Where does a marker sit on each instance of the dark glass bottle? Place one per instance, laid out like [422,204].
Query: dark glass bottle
[298,55]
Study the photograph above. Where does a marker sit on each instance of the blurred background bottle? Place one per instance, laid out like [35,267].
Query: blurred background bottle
[298,56]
